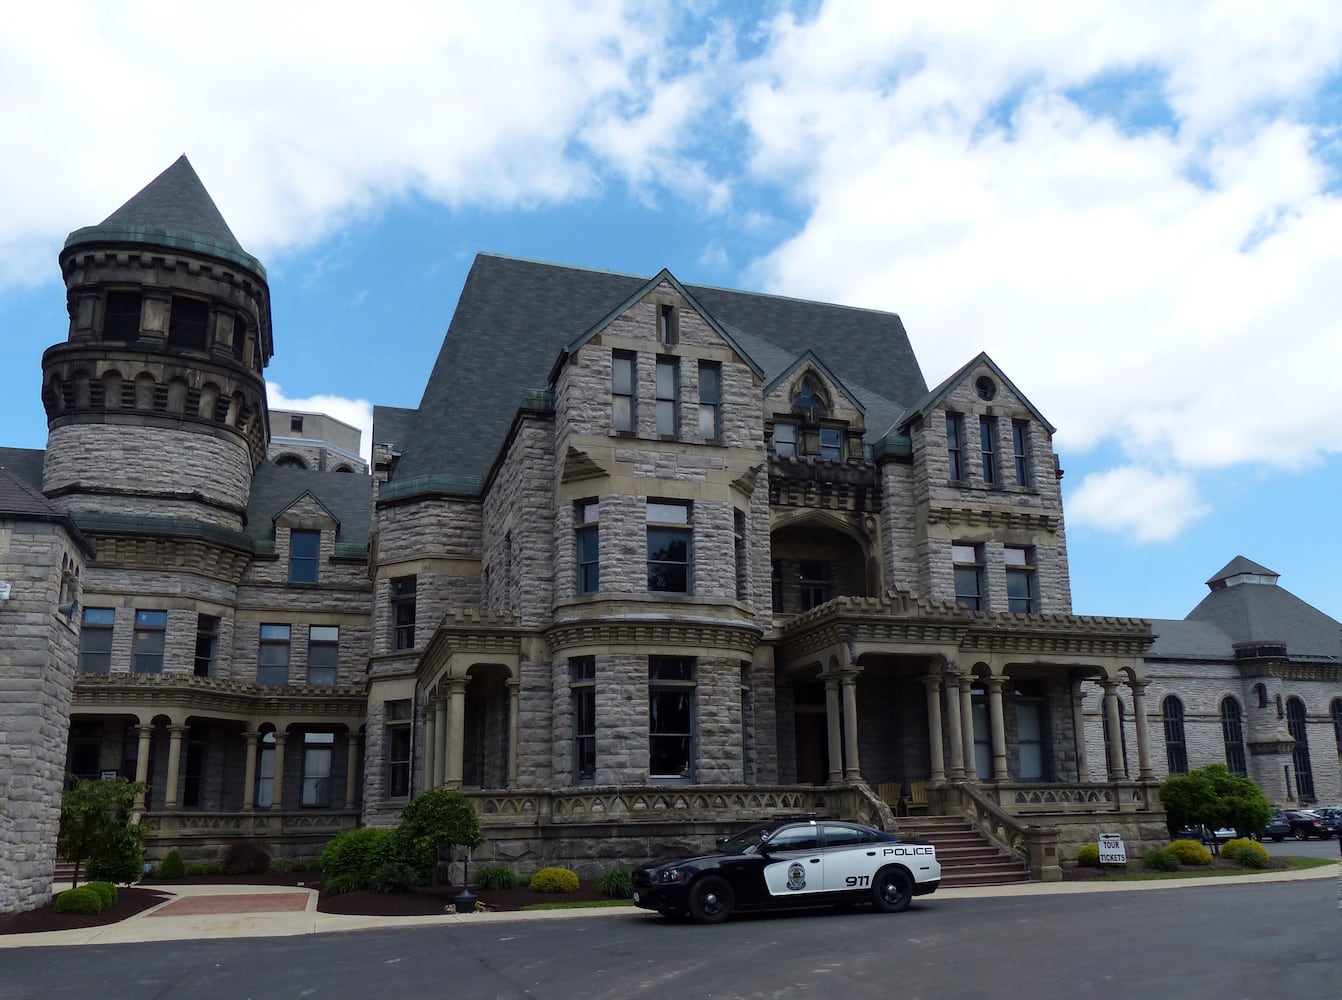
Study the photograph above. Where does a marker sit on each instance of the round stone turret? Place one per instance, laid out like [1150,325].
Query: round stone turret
[156,402]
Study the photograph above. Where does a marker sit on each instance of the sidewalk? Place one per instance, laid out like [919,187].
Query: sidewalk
[198,912]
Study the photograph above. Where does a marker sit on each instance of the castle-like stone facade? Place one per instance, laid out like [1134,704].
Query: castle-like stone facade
[648,559]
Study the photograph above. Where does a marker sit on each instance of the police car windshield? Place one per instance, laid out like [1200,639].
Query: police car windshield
[746,841]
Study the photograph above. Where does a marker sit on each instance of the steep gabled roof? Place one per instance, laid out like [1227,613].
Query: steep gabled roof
[920,409]
[1266,612]
[173,209]
[1240,566]
[515,317]
[345,495]
[810,359]
[21,500]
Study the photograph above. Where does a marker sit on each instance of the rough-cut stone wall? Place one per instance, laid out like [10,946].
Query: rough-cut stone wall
[438,541]
[37,668]
[517,533]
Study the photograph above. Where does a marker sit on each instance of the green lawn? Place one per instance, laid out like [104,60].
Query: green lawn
[1139,875]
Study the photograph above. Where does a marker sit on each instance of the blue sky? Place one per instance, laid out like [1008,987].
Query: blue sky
[1132,208]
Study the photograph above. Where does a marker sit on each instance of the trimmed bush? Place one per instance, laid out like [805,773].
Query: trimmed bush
[1089,855]
[1160,861]
[1245,852]
[393,876]
[497,877]
[204,869]
[172,865]
[554,880]
[79,900]
[120,858]
[432,821]
[1189,852]
[246,857]
[352,858]
[106,892]
[618,883]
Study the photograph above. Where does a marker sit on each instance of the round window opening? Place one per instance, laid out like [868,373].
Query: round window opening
[986,387]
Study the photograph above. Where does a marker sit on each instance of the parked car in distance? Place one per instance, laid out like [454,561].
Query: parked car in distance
[791,861]
[1278,826]
[1332,818]
[1206,834]
[1306,823]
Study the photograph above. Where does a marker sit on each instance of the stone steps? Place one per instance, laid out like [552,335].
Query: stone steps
[966,857]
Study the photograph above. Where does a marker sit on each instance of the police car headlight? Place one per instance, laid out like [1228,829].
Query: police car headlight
[670,875]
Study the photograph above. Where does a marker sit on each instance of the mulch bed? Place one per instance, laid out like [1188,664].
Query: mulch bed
[1082,873]
[129,902]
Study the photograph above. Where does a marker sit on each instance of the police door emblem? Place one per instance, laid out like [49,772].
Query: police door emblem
[796,876]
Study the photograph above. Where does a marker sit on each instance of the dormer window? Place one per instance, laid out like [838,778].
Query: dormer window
[304,550]
[809,402]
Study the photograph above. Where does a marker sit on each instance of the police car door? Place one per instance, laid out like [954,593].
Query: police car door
[795,866]
[850,858]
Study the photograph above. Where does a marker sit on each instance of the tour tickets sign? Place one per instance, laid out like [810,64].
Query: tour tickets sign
[1112,851]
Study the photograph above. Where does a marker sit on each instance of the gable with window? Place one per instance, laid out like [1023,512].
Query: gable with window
[988,449]
[304,554]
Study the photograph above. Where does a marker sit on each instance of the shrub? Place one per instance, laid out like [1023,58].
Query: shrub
[618,883]
[1160,861]
[246,857]
[1245,852]
[393,876]
[120,858]
[351,859]
[1089,855]
[172,865]
[106,892]
[79,900]
[1189,852]
[205,869]
[1214,796]
[496,877]
[554,880]
[432,821]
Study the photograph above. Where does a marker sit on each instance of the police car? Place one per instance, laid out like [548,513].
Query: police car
[792,861]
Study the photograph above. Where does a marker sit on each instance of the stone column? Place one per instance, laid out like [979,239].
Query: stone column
[427,751]
[249,772]
[1079,730]
[833,729]
[351,767]
[1143,736]
[1117,767]
[955,736]
[456,733]
[848,687]
[175,734]
[514,697]
[967,725]
[932,685]
[998,723]
[439,742]
[277,793]
[145,733]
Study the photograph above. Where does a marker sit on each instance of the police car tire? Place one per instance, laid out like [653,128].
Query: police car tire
[711,899]
[892,889]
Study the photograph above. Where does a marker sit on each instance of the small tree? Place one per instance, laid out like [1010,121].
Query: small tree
[432,821]
[94,826]
[1213,796]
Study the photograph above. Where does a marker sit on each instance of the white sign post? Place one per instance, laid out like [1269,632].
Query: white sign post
[1112,851]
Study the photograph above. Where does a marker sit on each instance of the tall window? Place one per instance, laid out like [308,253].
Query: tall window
[831,444]
[623,410]
[668,397]
[187,324]
[670,718]
[739,550]
[968,560]
[399,730]
[1232,734]
[317,769]
[1020,449]
[988,448]
[272,666]
[207,645]
[121,316]
[1337,722]
[1022,596]
[815,584]
[582,692]
[785,440]
[323,655]
[95,640]
[587,532]
[776,584]
[710,401]
[403,612]
[265,772]
[1304,771]
[304,548]
[1176,747]
[668,329]
[955,445]
[669,547]
[147,644]
[1031,732]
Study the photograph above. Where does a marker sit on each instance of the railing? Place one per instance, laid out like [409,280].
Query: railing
[1037,845]
[1024,798]
[258,823]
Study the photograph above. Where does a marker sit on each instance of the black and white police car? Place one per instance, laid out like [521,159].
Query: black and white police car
[792,861]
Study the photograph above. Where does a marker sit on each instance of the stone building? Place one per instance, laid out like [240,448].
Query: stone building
[648,559]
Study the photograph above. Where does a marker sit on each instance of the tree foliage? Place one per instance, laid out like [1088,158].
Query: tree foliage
[94,827]
[432,821]
[1214,797]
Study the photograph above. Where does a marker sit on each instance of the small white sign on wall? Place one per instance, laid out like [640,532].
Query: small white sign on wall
[1112,851]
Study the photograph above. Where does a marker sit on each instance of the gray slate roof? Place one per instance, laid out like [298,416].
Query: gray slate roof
[346,495]
[25,464]
[514,318]
[392,424]
[1240,566]
[173,209]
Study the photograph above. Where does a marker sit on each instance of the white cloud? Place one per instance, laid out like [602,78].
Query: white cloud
[1144,504]
[355,412]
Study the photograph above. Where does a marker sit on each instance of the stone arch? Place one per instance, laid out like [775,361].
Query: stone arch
[177,390]
[209,397]
[290,461]
[83,395]
[144,391]
[112,389]
[1297,721]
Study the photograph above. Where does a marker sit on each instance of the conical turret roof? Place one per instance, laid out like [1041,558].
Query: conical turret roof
[173,210]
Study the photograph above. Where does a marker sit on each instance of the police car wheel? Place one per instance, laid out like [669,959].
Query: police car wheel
[892,890]
[711,899]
